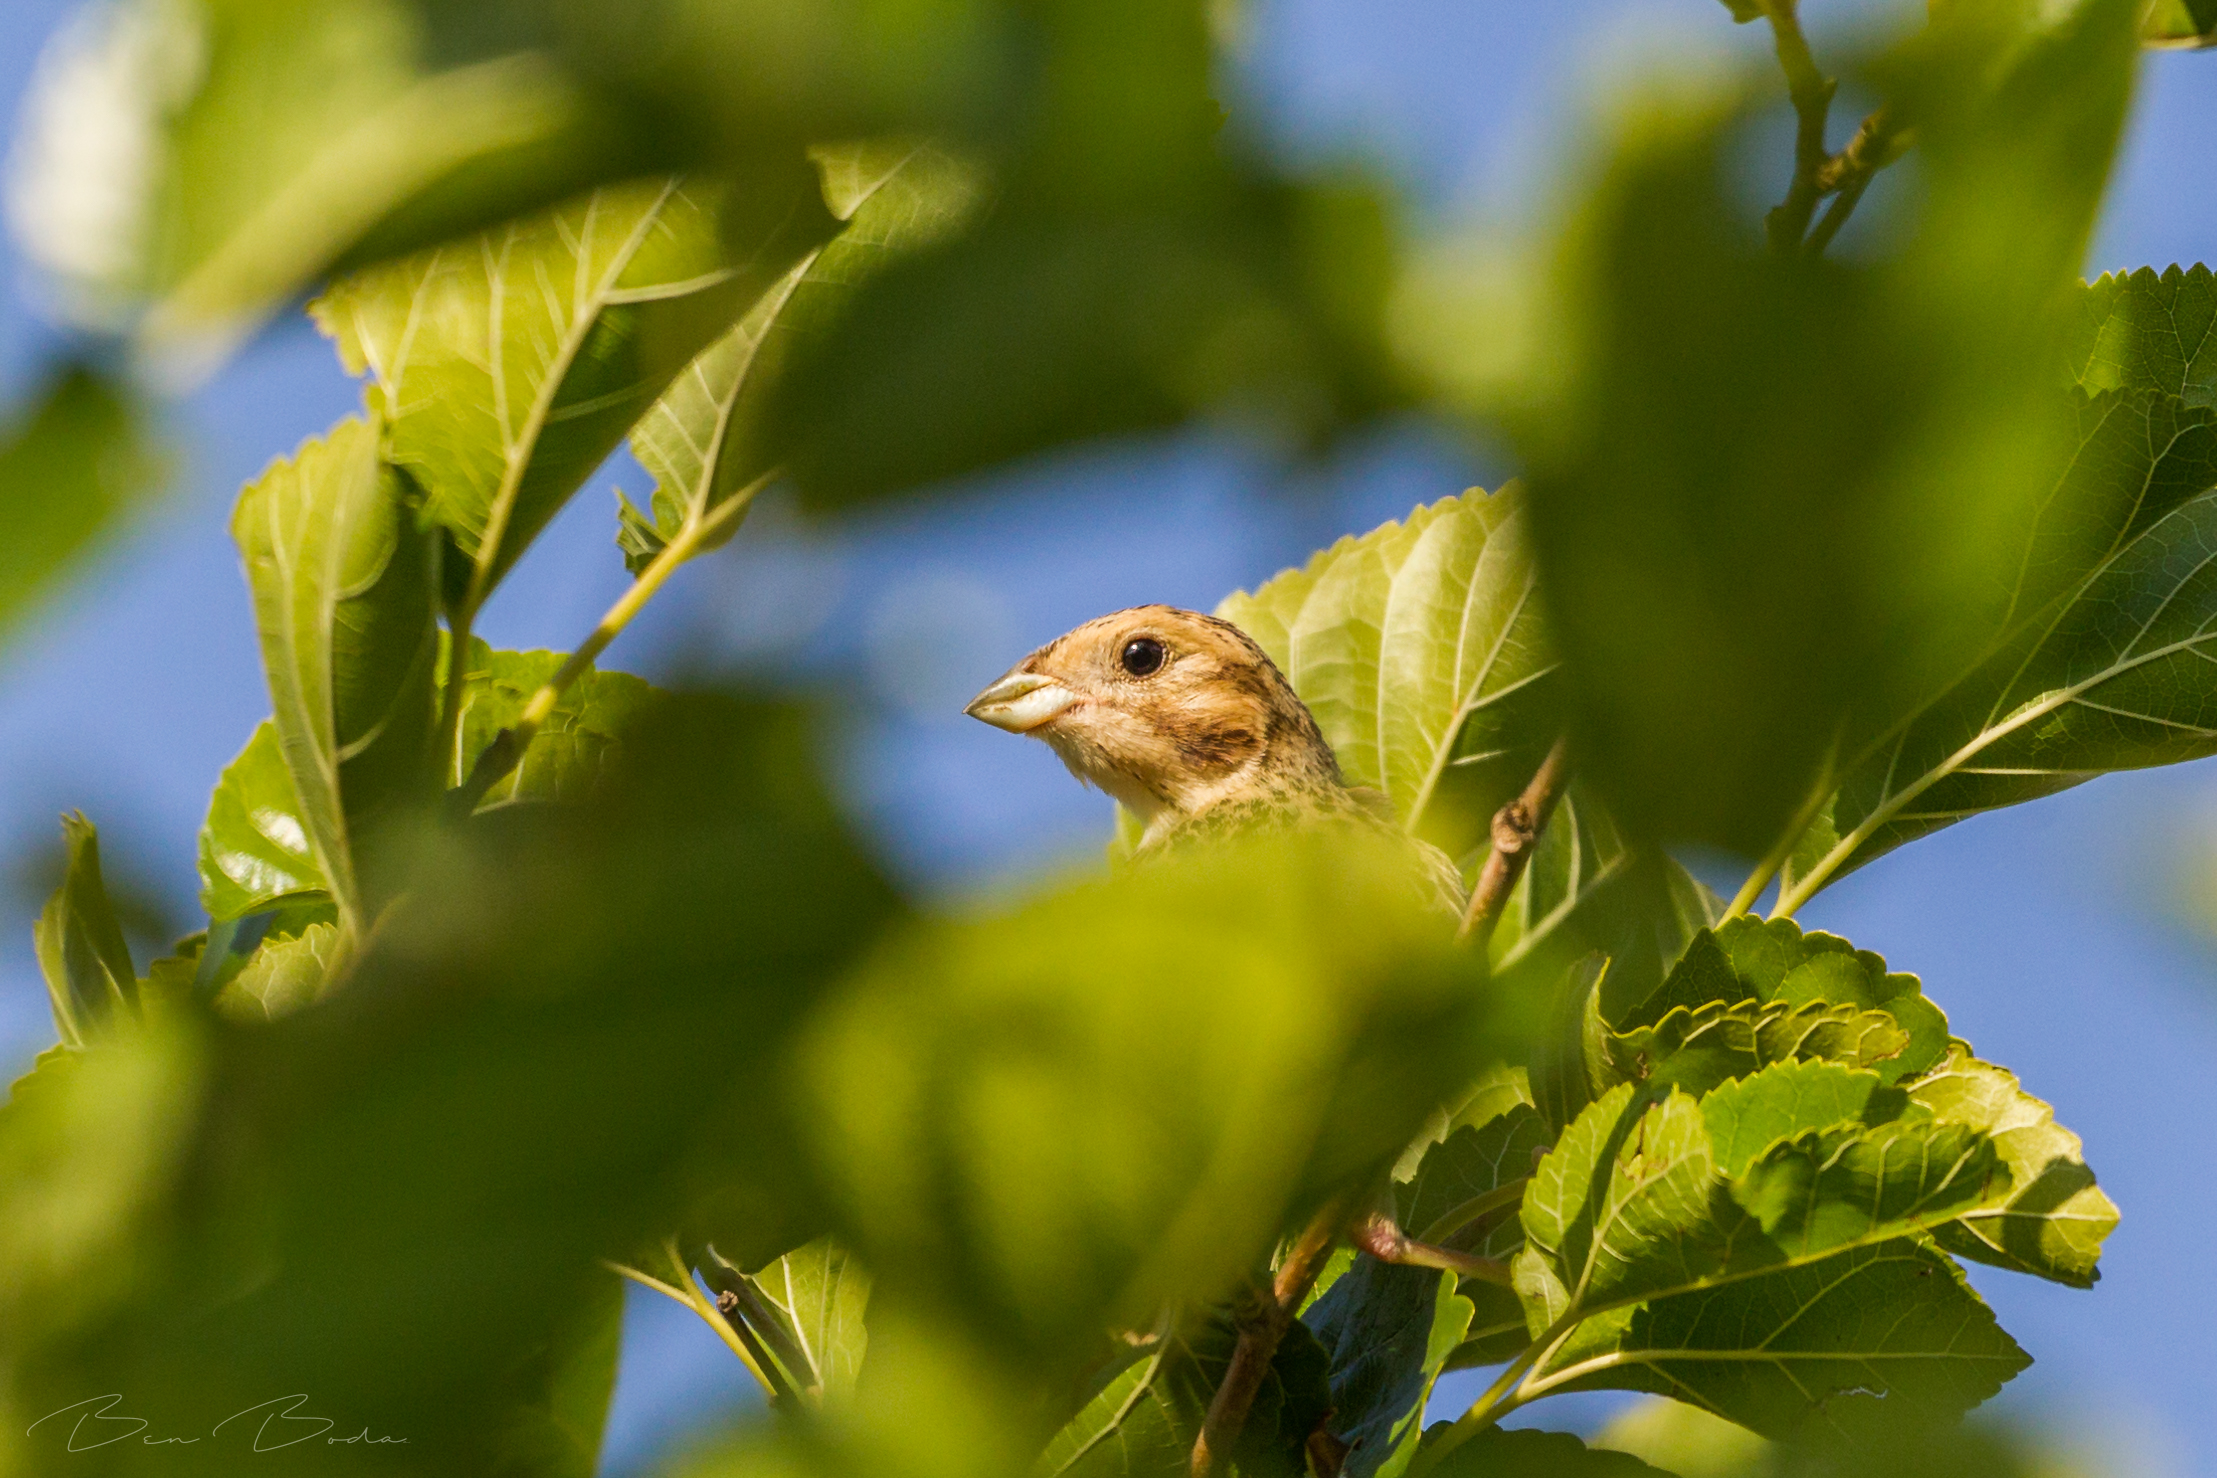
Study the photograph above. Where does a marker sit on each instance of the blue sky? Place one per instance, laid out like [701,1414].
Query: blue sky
[2044,932]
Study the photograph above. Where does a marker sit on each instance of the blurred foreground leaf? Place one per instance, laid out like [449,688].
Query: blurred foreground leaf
[76,461]
[272,140]
[525,1072]
[1769,493]
[2182,23]
[1496,1453]
[1115,1096]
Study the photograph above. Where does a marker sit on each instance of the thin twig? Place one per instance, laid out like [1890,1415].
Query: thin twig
[1516,827]
[1383,1239]
[1812,94]
[706,1312]
[1261,1327]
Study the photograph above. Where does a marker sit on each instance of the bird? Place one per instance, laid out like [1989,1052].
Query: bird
[1185,720]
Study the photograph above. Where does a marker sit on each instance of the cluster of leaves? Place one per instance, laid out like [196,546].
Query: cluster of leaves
[522,978]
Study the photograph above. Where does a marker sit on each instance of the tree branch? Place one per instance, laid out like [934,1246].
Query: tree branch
[1516,827]
[1261,1327]
[1812,94]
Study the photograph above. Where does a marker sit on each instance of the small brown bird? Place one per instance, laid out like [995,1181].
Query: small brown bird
[1188,723]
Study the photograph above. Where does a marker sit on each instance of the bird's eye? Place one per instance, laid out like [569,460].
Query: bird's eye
[1142,656]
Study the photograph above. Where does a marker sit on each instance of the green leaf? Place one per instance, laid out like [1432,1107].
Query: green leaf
[1750,1118]
[254,848]
[507,367]
[74,463]
[1863,1341]
[282,976]
[1644,1198]
[2182,23]
[820,1292]
[701,441]
[1420,649]
[81,952]
[344,582]
[1773,961]
[2144,331]
[1700,1048]
[2100,668]
[578,742]
[1525,1453]
[1142,1423]
[1389,1332]
[1036,1124]
[2054,1221]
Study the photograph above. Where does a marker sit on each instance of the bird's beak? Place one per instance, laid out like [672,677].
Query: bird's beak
[1021,702]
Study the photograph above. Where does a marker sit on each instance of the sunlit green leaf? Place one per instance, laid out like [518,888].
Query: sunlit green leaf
[283,975]
[820,1292]
[1769,962]
[75,461]
[1874,1337]
[81,952]
[2056,1217]
[1644,1197]
[1699,1048]
[1035,1121]
[507,366]
[1389,1332]
[1420,649]
[254,848]
[700,442]
[344,585]
[573,748]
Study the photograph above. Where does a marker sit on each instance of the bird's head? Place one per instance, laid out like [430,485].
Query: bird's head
[1169,711]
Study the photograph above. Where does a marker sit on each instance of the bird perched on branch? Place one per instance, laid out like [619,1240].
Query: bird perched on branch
[1188,723]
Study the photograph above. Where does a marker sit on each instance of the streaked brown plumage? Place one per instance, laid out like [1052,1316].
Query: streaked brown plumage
[1188,723]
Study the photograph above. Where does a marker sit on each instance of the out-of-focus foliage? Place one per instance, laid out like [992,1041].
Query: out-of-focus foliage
[1042,1138]
[74,463]
[2182,23]
[1773,496]
[2099,663]
[519,972]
